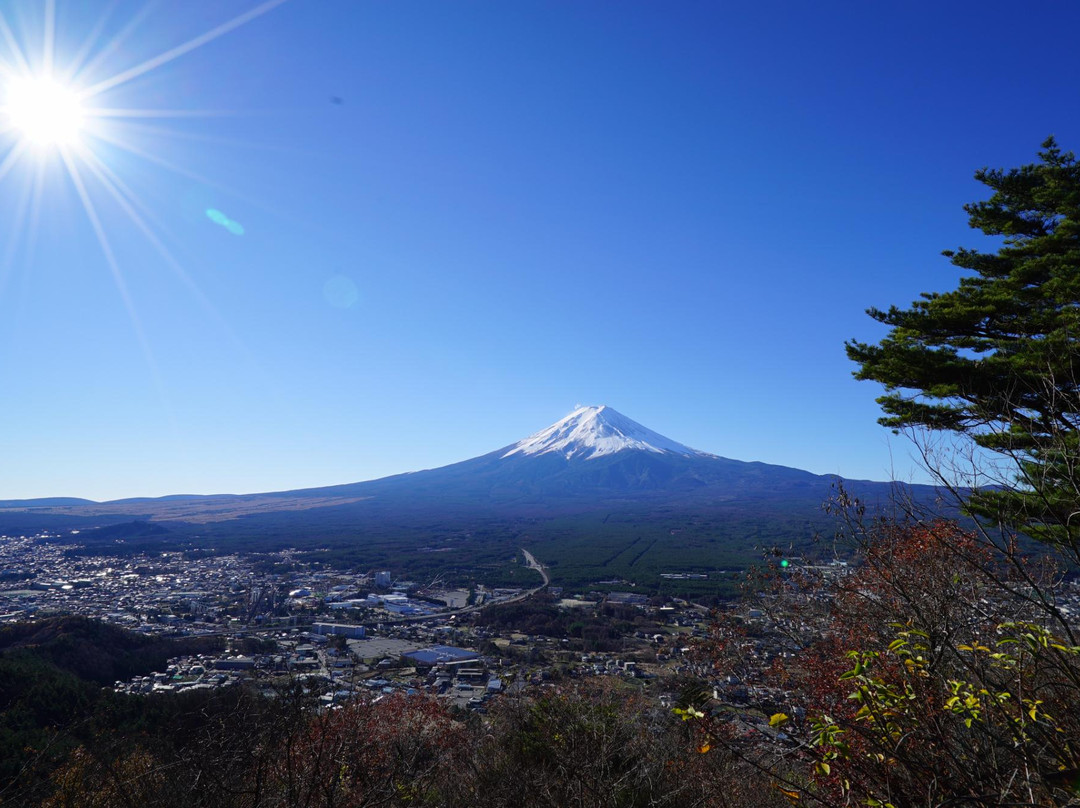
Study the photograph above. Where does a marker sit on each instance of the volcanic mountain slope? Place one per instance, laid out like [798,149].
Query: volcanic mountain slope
[595,484]
[594,457]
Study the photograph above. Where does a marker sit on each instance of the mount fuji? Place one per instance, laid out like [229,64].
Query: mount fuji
[594,479]
[593,456]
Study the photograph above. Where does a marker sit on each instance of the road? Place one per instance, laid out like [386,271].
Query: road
[532,563]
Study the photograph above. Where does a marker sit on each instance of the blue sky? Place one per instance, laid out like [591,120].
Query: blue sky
[460,220]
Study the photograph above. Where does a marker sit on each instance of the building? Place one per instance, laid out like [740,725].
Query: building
[340,629]
[439,654]
[237,663]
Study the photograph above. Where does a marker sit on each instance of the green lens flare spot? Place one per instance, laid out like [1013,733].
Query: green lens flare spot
[219,218]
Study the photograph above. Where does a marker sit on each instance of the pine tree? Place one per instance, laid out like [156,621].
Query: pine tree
[998,358]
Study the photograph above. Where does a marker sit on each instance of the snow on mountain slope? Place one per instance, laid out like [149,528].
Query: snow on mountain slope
[591,432]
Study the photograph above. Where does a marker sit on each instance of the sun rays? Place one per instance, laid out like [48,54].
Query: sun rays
[64,113]
[51,110]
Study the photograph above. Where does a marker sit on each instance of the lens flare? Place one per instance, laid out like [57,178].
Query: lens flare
[217,217]
[341,292]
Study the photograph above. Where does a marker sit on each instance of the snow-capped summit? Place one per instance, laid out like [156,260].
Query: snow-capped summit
[590,432]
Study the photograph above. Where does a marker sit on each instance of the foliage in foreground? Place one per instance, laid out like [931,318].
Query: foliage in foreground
[942,671]
[928,676]
[582,745]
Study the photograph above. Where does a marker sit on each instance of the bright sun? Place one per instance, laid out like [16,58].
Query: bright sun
[44,111]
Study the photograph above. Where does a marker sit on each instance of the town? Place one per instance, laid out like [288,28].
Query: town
[347,633]
[275,622]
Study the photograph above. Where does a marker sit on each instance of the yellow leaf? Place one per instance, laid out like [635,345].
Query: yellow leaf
[791,795]
[778,719]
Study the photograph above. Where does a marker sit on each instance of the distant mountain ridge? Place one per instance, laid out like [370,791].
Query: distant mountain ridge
[591,483]
[593,455]
[594,451]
